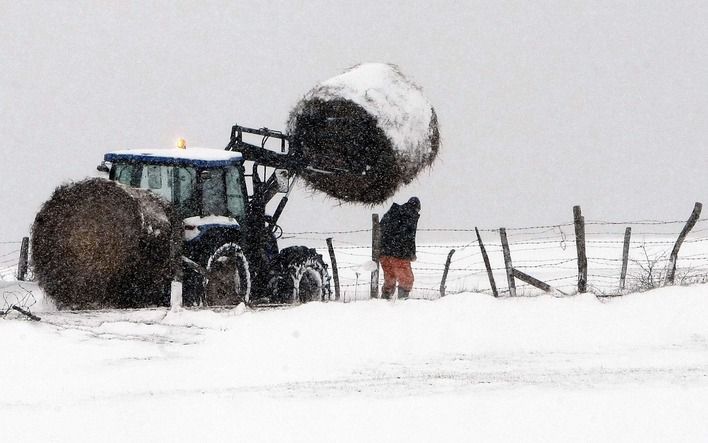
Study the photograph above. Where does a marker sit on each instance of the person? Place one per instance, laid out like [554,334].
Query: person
[398,229]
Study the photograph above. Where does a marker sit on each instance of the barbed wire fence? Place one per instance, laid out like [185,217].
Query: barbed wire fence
[15,297]
[549,253]
[9,258]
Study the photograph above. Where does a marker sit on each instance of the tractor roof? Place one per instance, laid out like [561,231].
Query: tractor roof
[199,157]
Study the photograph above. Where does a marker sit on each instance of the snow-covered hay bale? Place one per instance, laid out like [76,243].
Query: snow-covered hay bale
[99,244]
[364,133]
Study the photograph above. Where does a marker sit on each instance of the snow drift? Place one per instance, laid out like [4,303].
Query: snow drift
[467,367]
[364,133]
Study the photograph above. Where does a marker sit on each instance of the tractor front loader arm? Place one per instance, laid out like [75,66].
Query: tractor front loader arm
[261,155]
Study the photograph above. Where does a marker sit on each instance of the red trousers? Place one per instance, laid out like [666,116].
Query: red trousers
[396,270]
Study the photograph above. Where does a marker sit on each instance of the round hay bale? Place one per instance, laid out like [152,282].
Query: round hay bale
[364,133]
[97,244]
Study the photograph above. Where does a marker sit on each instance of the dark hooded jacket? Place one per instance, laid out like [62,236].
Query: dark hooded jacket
[398,227]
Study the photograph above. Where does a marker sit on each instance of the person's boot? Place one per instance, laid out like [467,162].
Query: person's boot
[403,294]
[386,293]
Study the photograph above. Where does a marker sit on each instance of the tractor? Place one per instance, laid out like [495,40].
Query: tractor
[229,251]
[356,137]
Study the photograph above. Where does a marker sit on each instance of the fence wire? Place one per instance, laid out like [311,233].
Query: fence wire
[546,252]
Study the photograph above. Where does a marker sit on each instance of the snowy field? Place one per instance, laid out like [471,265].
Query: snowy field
[466,367]
[541,105]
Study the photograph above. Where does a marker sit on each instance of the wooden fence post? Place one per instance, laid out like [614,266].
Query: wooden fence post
[335,271]
[507,262]
[486,263]
[375,253]
[444,277]
[22,263]
[26,312]
[579,222]
[695,214]
[532,281]
[625,256]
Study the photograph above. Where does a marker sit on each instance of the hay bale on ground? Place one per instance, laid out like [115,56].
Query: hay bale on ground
[370,129]
[99,244]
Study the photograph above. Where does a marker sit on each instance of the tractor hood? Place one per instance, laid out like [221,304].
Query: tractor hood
[196,226]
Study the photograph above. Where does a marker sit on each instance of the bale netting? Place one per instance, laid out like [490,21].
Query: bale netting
[99,244]
[364,133]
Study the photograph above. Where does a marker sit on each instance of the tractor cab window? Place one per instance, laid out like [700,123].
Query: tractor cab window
[176,184]
[213,192]
[222,193]
[158,179]
[154,177]
[235,200]
[128,174]
[184,194]
[222,190]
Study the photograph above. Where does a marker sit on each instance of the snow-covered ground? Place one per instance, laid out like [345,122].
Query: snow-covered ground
[466,367]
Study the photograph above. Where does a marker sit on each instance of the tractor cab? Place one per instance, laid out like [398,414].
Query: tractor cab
[230,243]
[198,182]
[208,193]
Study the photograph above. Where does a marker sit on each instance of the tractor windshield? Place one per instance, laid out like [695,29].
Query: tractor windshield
[221,189]
[176,184]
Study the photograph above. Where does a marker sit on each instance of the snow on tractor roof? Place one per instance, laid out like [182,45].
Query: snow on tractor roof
[199,157]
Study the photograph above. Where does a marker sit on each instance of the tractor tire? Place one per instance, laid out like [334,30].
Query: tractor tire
[299,275]
[228,280]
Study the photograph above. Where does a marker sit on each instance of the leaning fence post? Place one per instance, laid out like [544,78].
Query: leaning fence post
[507,262]
[444,277]
[335,271]
[695,214]
[486,263]
[532,281]
[579,222]
[22,263]
[375,253]
[625,256]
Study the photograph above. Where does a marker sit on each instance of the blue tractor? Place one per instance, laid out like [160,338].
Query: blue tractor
[229,251]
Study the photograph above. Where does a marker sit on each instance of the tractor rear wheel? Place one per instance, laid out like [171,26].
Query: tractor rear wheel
[228,280]
[299,275]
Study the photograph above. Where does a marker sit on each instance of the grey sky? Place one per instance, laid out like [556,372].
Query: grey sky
[541,106]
